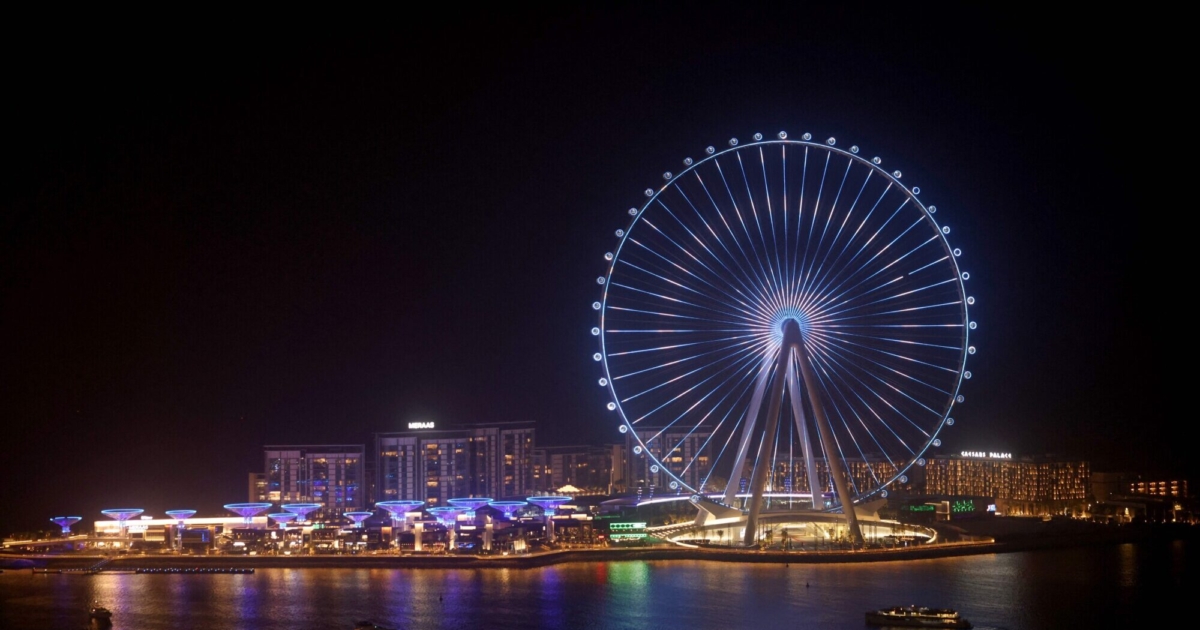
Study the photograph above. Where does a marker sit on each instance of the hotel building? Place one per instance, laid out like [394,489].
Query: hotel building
[257,488]
[1029,485]
[865,475]
[686,452]
[589,469]
[328,474]
[432,464]
[1175,488]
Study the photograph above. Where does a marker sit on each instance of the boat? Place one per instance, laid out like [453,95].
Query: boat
[917,617]
[99,612]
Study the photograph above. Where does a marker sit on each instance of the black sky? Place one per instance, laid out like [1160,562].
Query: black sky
[223,237]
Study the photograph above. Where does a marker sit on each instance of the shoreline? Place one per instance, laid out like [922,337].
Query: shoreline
[548,558]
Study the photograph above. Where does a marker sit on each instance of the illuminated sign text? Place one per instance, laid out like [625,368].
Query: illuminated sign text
[987,454]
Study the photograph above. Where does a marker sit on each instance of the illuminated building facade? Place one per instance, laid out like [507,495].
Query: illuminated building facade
[1106,485]
[256,489]
[1176,488]
[620,462]
[197,534]
[865,475]
[430,464]
[1020,485]
[328,474]
[686,452]
[588,468]
[1124,497]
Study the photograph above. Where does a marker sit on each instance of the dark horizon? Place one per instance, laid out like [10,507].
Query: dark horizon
[218,242]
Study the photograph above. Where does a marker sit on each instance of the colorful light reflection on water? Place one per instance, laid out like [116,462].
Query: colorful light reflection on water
[1083,587]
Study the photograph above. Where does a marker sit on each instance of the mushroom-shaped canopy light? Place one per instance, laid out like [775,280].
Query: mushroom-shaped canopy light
[181,515]
[508,508]
[446,515]
[358,517]
[549,504]
[247,510]
[301,510]
[282,518]
[65,522]
[470,505]
[399,508]
[121,515]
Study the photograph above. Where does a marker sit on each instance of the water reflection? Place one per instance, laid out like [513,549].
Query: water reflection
[1084,587]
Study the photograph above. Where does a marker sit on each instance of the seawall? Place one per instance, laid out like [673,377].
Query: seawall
[540,559]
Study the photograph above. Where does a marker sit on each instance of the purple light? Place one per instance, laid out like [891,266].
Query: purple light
[65,522]
[181,515]
[508,507]
[358,517]
[446,515]
[282,518]
[398,508]
[470,505]
[122,515]
[247,510]
[301,510]
[549,504]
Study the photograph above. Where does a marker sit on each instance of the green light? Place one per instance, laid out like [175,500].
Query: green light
[626,526]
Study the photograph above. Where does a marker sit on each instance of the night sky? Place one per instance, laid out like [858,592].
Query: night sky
[224,237]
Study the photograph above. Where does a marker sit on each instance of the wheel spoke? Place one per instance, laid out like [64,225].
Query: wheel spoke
[748,239]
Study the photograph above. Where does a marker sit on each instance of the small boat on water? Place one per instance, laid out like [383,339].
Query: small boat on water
[99,612]
[917,617]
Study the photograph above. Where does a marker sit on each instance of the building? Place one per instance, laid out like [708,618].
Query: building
[328,474]
[866,474]
[199,535]
[1175,488]
[587,468]
[1126,497]
[1029,485]
[427,463]
[620,463]
[686,452]
[257,488]
[1106,485]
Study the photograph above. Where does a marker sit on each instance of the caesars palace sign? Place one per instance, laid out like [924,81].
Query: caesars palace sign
[987,454]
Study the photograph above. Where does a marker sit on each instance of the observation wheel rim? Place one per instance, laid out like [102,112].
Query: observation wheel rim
[678,485]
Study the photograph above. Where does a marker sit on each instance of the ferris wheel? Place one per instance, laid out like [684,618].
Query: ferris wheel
[783,316]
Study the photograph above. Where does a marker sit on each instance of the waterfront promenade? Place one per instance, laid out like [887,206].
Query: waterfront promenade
[1006,539]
